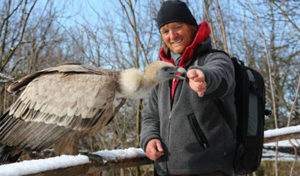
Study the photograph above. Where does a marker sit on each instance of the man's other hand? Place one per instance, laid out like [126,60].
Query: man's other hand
[154,149]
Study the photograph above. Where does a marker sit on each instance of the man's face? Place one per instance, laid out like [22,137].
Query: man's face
[177,36]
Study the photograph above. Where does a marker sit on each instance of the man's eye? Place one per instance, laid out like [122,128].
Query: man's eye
[165,31]
[178,27]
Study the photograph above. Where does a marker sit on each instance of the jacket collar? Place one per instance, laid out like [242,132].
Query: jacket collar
[201,35]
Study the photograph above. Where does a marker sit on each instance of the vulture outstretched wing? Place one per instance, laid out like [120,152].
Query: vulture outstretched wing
[59,105]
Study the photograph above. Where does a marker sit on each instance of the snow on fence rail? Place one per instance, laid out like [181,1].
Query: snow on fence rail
[81,165]
[281,134]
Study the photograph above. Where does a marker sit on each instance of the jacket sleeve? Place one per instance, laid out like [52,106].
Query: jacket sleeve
[219,75]
[150,120]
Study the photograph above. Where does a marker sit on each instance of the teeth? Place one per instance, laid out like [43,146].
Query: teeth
[177,42]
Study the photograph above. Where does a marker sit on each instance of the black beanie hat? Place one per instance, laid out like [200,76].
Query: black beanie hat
[174,11]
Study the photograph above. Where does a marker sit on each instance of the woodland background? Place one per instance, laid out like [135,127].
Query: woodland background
[118,34]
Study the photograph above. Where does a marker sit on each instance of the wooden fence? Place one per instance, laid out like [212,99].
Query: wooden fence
[81,165]
[94,168]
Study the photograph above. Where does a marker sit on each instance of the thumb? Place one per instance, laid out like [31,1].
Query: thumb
[159,146]
[191,74]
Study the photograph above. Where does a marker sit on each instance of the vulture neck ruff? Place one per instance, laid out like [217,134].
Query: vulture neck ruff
[130,81]
[136,84]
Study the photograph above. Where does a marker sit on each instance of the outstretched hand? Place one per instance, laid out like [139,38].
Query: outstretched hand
[197,81]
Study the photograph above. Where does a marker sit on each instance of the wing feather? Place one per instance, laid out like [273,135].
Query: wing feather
[56,102]
[57,98]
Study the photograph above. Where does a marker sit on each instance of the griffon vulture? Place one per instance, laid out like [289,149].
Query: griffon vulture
[61,104]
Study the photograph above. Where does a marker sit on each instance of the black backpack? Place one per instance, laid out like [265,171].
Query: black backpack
[250,106]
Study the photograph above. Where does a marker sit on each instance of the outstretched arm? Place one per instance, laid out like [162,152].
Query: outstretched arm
[213,78]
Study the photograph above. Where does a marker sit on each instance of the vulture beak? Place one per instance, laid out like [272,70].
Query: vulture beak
[180,73]
[171,72]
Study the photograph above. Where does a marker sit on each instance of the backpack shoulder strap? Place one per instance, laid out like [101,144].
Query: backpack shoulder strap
[205,53]
[220,51]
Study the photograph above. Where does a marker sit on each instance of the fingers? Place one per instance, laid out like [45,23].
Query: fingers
[197,81]
[154,149]
[198,87]
[191,74]
[196,75]
[159,146]
[200,93]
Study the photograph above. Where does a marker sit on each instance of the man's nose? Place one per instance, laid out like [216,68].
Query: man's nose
[173,35]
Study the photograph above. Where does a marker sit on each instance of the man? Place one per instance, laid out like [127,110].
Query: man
[183,130]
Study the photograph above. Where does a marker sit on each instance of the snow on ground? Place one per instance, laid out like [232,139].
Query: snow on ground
[284,143]
[270,155]
[269,150]
[63,161]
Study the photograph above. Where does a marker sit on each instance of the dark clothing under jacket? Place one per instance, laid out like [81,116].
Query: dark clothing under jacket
[195,136]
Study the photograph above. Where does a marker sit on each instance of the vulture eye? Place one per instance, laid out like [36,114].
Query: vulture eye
[166,69]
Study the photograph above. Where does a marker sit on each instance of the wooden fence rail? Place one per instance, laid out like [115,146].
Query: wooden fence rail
[94,168]
[81,165]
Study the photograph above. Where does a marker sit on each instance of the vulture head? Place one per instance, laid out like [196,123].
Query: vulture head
[62,104]
[160,71]
[136,84]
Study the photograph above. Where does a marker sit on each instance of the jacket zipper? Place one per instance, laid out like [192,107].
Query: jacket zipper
[200,136]
[169,126]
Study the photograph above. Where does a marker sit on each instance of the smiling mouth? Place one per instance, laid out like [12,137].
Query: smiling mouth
[177,42]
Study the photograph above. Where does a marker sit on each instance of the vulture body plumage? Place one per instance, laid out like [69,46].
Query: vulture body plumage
[61,104]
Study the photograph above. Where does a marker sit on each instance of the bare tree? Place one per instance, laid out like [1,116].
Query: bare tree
[264,34]
[206,5]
